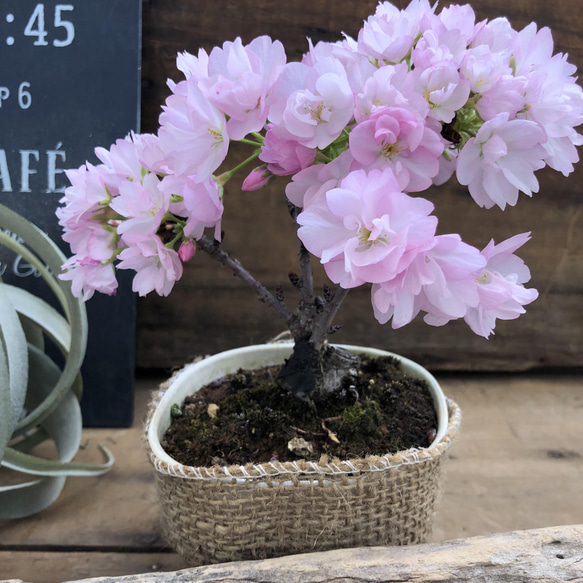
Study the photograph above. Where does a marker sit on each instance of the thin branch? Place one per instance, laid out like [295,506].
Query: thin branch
[214,249]
[223,178]
[323,325]
[306,275]
[307,303]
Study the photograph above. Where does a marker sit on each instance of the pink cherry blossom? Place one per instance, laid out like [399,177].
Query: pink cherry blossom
[500,286]
[389,34]
[191,66]
[531,48]
[394,138]
[439,281]
[507,95]
[483,68]
[239,79]
[417,96]
[142,204]
[128,158]
[445,37]
[87,195]
[454,266]
[306,183]
[390,86]
[91,241]
[283,156]
[201,204]
[444,89]
[311,105]
[88,276]
[555,102]
[358,67]
[366,229]
[430,52]
[193,132]
[496,34]
[157,267]
[500,161]
[82,216]
[459,22]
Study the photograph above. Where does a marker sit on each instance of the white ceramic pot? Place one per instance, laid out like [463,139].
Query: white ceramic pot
[220,514]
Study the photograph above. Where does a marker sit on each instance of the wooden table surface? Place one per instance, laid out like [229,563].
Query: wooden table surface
[518,464]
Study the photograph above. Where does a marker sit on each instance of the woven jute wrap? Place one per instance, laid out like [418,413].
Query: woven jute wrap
[219,514]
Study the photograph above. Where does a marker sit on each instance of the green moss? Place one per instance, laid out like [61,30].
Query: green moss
[362,420]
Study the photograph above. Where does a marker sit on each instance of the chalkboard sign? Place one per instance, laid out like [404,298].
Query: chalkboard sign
[70,81]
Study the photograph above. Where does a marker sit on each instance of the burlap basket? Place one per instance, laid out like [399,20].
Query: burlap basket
[220,514]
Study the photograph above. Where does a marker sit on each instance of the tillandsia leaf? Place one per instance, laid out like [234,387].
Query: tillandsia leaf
[41,313]
[48,320]
[64,426]
[15,349]
[43,246]
[29,464]
[74,308]
[20,249]
[32,331]
[31,440]
[65,382]
[5,409]
[22,500]
[25,499]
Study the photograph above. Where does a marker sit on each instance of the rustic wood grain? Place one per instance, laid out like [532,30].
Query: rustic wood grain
[118,510]
[57,566]
[209,310]
[518,464]
[549,555]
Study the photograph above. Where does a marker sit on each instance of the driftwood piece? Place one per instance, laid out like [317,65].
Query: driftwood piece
[550,554]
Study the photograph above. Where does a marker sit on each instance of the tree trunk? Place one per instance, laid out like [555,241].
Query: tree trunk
[312,371]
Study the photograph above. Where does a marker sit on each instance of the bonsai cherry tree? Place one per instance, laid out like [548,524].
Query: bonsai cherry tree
[362,128]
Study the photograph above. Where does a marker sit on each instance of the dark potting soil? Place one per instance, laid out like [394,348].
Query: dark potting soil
[248,417]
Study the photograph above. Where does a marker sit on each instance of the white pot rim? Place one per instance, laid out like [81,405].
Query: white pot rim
[194,376]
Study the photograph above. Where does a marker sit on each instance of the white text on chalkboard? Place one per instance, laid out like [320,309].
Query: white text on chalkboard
[63,28]
[20,268]
[23,95]
[36,170]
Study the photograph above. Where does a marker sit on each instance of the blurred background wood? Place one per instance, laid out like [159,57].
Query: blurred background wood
[210,310]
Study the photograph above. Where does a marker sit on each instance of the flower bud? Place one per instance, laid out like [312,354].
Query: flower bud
[256,179]
[186,250]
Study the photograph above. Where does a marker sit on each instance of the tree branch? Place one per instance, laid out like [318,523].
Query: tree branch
[307,291]
[307,304]
[323,324]
[213,248]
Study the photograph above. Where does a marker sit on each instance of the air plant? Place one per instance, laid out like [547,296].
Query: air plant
[39,400]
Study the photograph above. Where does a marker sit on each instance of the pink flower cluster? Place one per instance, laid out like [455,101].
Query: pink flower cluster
[116,217]
[361,126]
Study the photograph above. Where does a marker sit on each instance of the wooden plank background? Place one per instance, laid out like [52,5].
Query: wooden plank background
[210,310]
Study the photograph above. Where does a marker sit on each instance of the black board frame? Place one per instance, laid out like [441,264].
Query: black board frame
[71,81]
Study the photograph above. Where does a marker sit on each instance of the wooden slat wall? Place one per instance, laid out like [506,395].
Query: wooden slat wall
[210,310]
